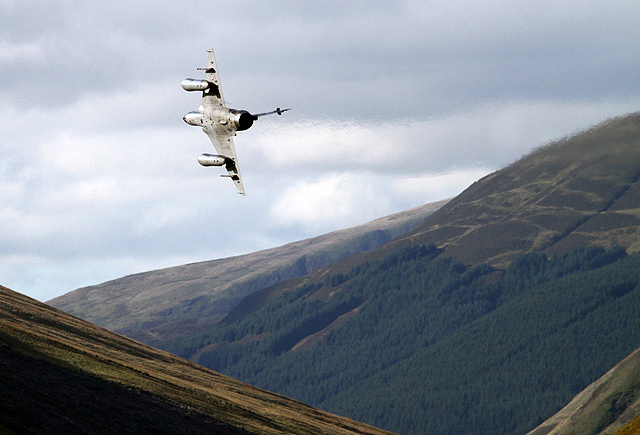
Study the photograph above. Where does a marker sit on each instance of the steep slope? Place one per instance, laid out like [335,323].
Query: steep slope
[608,405]
[40,397]
[582,190]
[177,297]
[113,373]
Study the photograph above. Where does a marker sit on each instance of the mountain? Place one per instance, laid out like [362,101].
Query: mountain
[487,318]
[581,190]
[417,340]
[609,405]
[161,302]
[60,374]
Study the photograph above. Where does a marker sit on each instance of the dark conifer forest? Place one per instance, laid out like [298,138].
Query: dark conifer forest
[501,350]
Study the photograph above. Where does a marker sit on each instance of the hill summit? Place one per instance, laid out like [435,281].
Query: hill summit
[580,190]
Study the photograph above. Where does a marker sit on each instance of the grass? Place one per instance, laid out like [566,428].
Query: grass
[43,332]
[550,194]
[632,428]
[600,409]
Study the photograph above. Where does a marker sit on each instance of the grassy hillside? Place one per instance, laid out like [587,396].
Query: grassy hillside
[609,405]
[170,302]
[104,374]
[632,428]
[582,190]
[43,398]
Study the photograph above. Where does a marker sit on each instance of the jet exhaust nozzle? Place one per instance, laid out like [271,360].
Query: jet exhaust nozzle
[242,119]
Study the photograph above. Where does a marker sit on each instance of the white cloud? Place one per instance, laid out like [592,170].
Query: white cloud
[329,202]
[22,52]
[340,200]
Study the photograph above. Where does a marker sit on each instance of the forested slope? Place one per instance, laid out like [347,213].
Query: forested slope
[417,340]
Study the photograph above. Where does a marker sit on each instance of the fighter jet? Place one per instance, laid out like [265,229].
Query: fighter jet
[218,121]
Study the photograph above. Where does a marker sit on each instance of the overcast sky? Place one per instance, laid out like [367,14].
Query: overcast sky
[394,104]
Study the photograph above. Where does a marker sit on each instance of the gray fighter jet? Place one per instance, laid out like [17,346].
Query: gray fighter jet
[218,121]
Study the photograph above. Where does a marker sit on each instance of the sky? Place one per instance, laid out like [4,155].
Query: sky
[395,104]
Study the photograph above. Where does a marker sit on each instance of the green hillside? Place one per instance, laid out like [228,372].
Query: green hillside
[418,341]
[507,370]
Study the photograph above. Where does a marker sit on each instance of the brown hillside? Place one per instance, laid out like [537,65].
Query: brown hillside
[60,349]
[581,190]
[611,404]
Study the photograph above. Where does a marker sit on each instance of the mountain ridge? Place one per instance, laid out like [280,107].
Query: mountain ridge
[562,188]
[205,292]
[479,224]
